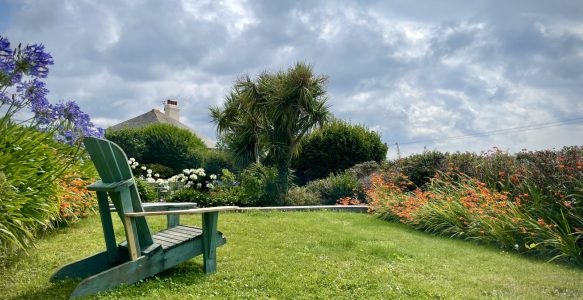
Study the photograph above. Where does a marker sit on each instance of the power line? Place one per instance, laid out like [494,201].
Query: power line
[502,131]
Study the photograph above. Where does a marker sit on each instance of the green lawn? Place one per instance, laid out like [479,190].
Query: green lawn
[308,255]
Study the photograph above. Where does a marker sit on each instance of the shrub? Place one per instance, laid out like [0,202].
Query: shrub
[173,147]
[457,205]
[302,196]
[420,168]
[130,140]
[30,165]
[217,160]
[161,144]
[336,147]
[201,199]
[75,201]
[147,192]
[35,153]
[259,184]
[162,170]
[334,187]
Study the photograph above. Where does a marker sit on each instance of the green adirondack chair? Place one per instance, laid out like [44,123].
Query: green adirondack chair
[143,254]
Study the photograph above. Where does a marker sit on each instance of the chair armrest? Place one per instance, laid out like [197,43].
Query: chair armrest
[182,212]
[165,206]
[100,186]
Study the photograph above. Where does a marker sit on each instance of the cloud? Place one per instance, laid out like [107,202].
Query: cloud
[415,71]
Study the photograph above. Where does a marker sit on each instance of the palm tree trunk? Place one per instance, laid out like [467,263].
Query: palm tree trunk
[283,184]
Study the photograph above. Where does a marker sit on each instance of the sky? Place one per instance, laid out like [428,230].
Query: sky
[427,75]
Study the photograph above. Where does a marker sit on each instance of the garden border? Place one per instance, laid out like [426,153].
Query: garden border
[349,208]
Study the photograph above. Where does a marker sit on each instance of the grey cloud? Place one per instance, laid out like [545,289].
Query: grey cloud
[413,70]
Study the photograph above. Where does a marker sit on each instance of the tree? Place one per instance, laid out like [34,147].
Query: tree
[264,120]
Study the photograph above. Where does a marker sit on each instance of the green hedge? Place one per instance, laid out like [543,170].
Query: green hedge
[161,144]
[336,147]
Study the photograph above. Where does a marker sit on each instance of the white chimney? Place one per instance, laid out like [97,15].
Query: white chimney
[171,109]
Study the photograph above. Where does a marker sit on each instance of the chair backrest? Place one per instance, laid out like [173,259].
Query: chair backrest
[109,160]
[112,165]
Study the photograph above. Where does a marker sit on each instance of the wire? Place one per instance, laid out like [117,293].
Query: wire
[502,131]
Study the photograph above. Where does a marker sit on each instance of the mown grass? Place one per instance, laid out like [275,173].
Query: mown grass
[308,255]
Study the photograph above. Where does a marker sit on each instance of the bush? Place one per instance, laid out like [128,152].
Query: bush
[30,165]
[534,222]
[161,144]
[147,192]
[75,201]
[173,147]
[302,196]
[334,187]
[336,147]
[36,153]
[130,140]
[259,184]
[217,160]
[162,170]
[420,168]
[201,199]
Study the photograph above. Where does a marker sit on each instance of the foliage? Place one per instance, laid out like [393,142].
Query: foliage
[336,147]
[264,120]
[259,184]
[161,144]
[457,205]
[191,195]
[172,146]
[162,170]
[302,196]
[130,140]
[334,187]
[146,191]
[75,201]
[36,152]
[420,168]
[216,160]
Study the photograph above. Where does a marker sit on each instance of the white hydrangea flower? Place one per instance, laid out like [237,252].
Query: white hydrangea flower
[186,171]
[213,177]
[193,177]
[144,168]
[199,185]
[156,175]
[210,185]
[150,179]
[149,171]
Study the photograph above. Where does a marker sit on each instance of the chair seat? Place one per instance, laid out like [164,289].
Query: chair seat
[172,237]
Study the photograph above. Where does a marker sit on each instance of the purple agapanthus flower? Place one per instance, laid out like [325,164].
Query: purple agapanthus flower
[38,59]
[35,92]
[6,58]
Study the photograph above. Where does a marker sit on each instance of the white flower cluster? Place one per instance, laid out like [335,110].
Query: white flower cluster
[133,163]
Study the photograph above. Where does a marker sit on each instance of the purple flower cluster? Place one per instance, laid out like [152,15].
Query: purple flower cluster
[6,61]
[65,119]
[38,60]
[75,123]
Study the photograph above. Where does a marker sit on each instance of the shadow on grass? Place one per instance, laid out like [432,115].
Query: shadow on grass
[57,290]
[185,273]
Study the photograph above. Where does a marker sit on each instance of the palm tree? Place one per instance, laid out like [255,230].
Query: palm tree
[264,120]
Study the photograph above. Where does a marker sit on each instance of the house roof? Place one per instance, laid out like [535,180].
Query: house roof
[155,116]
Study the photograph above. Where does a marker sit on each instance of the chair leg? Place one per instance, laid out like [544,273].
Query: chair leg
[85,267]
[209,241]
[127,273]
